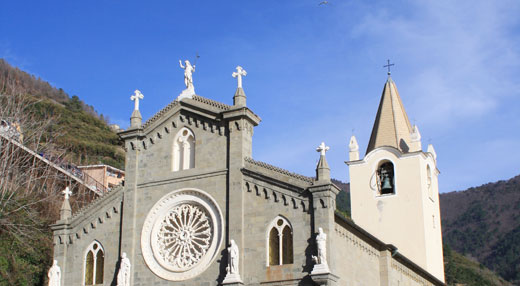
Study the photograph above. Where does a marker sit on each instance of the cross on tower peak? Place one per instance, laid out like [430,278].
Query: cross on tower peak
[67,193]
[388,65]
[238,74]
[322,149]
[136,97]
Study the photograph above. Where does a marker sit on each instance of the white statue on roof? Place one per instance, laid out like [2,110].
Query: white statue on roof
[188,73]
[188,80]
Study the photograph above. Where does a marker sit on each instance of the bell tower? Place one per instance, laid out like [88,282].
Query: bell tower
[394,188]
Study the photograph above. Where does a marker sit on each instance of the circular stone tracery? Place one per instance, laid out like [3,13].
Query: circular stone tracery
[184,237]
[181,234]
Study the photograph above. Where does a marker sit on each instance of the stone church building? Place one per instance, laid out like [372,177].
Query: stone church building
[197,209]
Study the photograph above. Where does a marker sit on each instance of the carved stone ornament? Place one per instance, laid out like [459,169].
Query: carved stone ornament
[182,234]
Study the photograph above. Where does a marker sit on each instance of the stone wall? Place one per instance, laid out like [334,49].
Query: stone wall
[100,221]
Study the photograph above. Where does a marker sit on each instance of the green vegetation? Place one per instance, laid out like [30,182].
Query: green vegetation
[26,256]
[87,139]
[459,269]
[77,135]
[343,198]
[483,222]
[505,257]
[78,129]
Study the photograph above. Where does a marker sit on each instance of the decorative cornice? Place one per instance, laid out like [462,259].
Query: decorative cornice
[95,203]
[355,241]
[160,113]
[268,192]
[211,102]
[270,167]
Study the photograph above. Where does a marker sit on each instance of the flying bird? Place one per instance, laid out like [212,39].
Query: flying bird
[324,2]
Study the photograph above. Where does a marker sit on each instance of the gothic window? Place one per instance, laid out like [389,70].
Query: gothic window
[386,180]
[280,242]
[94,262]
[183,150]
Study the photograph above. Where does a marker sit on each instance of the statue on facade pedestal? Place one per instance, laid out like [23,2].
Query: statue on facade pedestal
[232,275]
[233,258]
[321,265]
[54,274]
[189,69]
[123,276]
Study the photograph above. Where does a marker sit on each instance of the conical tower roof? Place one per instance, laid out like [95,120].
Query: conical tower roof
[391,127]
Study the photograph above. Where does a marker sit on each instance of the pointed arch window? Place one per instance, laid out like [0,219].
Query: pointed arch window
[94,264]
[280,242]
[386,179]
[183,150]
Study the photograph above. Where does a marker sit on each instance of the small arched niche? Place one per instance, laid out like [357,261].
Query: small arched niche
[386,178]
[183,156]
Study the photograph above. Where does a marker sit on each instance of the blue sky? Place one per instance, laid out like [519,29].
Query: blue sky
[314,71]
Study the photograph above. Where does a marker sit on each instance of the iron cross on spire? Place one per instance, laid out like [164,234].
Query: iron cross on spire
[388,65]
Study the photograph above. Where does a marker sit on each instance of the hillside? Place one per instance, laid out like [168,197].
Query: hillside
[484,222]
[78,129]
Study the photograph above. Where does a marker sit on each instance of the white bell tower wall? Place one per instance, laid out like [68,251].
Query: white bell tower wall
[408,214]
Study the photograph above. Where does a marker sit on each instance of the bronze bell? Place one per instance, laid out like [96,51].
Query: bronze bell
[386,186]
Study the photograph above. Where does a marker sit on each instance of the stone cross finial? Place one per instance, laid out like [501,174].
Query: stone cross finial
[136,97]
[67,193]
[322,149]
[238,74]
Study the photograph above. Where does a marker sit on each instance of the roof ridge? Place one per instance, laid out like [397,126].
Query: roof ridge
[159,113]
[279,170]
[93,203]
[195,97]
[211,102]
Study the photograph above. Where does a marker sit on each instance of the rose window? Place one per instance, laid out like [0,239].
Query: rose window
[184,237]
[182,234]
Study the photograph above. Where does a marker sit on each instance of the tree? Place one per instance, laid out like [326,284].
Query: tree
[30,189]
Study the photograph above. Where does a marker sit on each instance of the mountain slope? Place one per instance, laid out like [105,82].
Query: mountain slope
[484,222]
[78,129]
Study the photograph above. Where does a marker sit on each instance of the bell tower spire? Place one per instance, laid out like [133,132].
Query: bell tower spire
[394,188]
[391,126]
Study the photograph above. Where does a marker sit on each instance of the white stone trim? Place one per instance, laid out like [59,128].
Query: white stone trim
[94,269]
[149,243]
[273,223]
[188,150]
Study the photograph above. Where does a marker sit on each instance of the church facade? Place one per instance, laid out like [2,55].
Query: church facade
[197,209]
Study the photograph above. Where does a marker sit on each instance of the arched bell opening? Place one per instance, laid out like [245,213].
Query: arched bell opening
[386,178]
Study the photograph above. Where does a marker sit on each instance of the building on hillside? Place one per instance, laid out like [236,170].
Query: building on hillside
[197,209]
[108,176]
